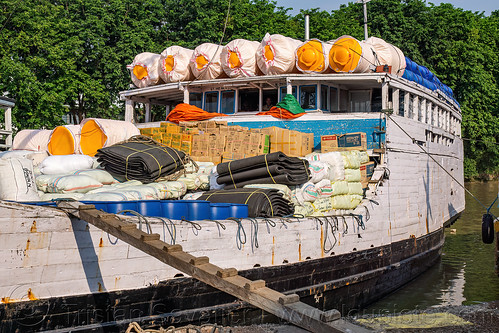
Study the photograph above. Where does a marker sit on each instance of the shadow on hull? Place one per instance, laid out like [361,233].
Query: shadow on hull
[345,282]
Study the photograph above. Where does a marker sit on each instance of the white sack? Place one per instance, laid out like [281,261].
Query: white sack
[17,181]
[66,184]
[63,164]
[100,175]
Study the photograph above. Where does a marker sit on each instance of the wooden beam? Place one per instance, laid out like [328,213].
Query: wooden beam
[8,126]
[287,307]
[129,104]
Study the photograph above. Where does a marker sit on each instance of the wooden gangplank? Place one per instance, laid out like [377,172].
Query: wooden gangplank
[287,307]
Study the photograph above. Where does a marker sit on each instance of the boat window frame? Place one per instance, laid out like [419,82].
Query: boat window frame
[299,96]
[350,100]
[197,93]
[234,109]
[218,100]
[337,93]
[325,99]
[280,94]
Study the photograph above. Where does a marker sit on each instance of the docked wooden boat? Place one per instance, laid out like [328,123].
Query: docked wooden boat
[62,273]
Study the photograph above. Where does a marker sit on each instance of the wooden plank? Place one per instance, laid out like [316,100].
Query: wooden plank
[283,306]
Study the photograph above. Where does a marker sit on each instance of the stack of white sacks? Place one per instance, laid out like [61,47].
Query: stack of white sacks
[35,176]
[334,184]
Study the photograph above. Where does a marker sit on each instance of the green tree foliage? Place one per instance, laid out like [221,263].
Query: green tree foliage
[57,57]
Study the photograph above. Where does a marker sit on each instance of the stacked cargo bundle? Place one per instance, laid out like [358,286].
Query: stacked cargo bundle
[141,161]
[261,202]
[211,141]
[273,168]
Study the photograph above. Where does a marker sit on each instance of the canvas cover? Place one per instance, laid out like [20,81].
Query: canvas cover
[206,63]
[276,54]
[388,54]
[312,57]
[144,70]
[34,140]
[239,58]
[174,64]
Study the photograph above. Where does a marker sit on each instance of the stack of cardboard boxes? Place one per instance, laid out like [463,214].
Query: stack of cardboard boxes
[215,141]
[349,141]
[291,143]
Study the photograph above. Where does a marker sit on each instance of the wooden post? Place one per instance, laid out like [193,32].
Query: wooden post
[8,126]
[407,102]
[423,110]
[384,96]
[236,101]
[429,112]
[395,101]
[129,105]
[289,87]
[496,229]
[260,98]
[186,95]
[415,108]
[318,93]
[148,112]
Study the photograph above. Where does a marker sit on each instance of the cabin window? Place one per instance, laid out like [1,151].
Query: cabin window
[343,100]
[211,101]
[360,101]
[308,97]
[269,99]
[410,106]
[196,99]
[377,100]
[249,99]
[333,99]
[401,103]
[283,92]
[324,98]
[228,102]
[419,107]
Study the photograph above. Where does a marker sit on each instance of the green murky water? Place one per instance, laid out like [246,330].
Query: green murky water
[465,274]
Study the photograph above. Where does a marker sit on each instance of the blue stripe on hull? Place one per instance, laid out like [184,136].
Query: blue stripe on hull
[374,128]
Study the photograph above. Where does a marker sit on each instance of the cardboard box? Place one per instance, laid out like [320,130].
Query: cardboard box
[291,143]
[349,141]
[301,144]
[230,156]
[366,172]
[213,159]
[190,124]
[146,131]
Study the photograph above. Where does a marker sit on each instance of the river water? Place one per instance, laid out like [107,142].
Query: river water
[464,275]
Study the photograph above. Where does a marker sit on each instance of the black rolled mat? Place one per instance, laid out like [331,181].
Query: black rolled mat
[261,202]
[280,174]
[281,169]
[250,163]
[140,161]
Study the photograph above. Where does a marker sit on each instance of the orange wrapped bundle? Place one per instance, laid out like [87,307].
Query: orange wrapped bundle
[288,108]
[280,113]
[187,112]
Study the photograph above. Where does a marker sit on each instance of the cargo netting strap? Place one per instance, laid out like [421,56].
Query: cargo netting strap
[267,165]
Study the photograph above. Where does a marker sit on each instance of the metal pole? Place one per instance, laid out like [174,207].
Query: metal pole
[365,19]
[364,2]
[307,27]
